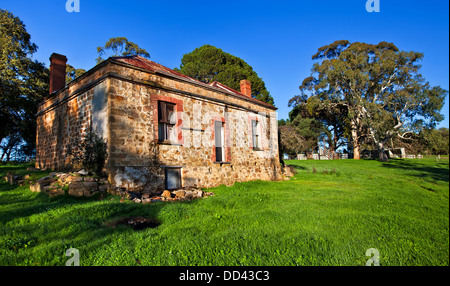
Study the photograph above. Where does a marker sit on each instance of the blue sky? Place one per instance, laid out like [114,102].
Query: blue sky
[277,38]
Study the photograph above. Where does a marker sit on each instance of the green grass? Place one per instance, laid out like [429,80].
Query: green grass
[330,217]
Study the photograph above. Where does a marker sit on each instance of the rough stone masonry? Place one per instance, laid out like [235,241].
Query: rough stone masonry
[164,130]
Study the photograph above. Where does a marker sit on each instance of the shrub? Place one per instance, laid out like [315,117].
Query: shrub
[90,153]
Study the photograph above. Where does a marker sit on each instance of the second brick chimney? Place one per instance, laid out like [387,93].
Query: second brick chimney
[57,72]
[246,87]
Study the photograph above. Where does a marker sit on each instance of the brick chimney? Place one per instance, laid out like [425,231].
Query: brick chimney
[246,87]
[57,72]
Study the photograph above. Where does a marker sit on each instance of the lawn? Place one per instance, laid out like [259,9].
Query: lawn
[329,213]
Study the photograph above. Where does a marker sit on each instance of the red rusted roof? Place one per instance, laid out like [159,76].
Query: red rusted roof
[144,63]
[147,64]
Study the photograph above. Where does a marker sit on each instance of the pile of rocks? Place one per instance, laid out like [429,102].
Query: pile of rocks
[185,194]
[81,184]
[13,179]
[76,184]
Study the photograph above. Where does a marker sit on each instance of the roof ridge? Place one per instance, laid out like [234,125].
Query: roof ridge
[231,89]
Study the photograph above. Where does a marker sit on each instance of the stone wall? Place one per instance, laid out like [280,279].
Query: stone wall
[136,157]
[68,114]
[122,104]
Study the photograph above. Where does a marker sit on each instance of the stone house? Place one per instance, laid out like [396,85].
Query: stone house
[164,130]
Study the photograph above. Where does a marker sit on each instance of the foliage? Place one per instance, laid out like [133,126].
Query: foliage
[9,146]
[208,64]
[282,122]
[380,87]
[437,140]
[90,153]
[334,121]
[72,73]
[120,46]
[427,141]
[320,122]
[291,142]
[23,83]
[311,130]
[300,133]
[398,207]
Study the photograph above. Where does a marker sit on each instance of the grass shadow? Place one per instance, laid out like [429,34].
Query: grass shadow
[39,226]
[435,172]
[298,167]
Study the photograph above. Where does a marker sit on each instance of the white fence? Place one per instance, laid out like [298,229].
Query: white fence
[345,156]
[321,156]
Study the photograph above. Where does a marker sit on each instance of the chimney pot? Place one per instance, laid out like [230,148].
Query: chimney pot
[57,72]
[246,87]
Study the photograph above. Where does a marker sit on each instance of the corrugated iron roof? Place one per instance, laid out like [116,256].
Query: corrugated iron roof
[147,64]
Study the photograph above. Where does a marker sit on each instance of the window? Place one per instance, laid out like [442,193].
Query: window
[166,121]
[218,137]
[255,135]
[173,178]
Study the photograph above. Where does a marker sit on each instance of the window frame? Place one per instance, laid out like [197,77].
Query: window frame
[165,124]
[256,136]
[179,179]
[222,141]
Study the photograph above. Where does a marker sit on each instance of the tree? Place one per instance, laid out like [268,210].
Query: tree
[301,132]
[311,130]
[290,141]
[23,82]
[329,121]
[381,88]
[8,145]
[437,140]
[120,46]
[414,144]
[72,73]
[427,141]
[282,122]
[208,64]
[334,120]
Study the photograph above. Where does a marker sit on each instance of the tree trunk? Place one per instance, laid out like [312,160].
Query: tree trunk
[382,156]
[356,154]
[332,152]
[355,142]
[8,155]
[333,145]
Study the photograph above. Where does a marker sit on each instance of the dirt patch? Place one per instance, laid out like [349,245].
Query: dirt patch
[137,223]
